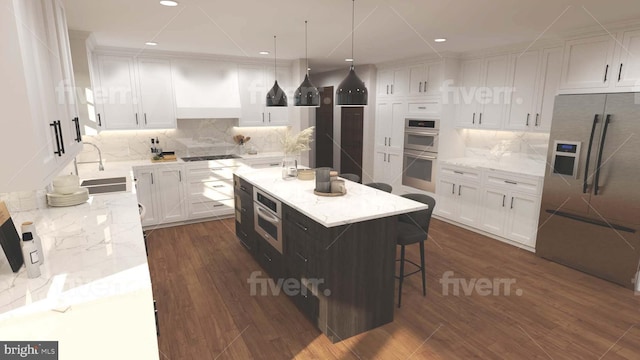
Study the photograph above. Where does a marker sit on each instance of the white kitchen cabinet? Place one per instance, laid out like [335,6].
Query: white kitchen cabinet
[425,79]
[458,200]
[535,82]
[389,142]
[493,205]
[161,189]
[588,63]
[206,89]
[482,93]
[393,82]
[255,82]
[157,100]
[38,131]
[134,93]
[210,188]
[171,193]
[522,222]
[627,74]
[146,192]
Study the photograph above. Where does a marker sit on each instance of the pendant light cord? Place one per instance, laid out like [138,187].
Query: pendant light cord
[353,20]
[306,52]
[275,59]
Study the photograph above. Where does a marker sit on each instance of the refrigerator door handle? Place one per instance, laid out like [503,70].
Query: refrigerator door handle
[604,135]
[590,221]
[585,184]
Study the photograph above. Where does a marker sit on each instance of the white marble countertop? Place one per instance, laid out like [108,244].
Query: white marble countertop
[262,155]
[95,267]
[361,202]
[522,166]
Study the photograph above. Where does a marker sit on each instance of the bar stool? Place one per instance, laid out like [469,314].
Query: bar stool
[351,177]
[381,186]
[414,228]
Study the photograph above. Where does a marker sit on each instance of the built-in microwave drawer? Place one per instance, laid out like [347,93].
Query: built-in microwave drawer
[423,107]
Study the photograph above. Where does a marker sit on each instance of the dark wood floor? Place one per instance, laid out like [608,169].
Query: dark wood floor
[200,272]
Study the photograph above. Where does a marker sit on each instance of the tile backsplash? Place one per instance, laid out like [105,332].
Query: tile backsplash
[191,138]
[499,144]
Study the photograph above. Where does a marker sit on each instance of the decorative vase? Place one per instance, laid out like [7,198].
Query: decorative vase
[289,167]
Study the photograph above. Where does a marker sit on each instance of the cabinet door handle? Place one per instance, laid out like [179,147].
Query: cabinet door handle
[512,202]
[243,188]
[55,129]
[459,190]
[511,182]
[473,120]
[620,73]
[137,119]
[480,119]
[262,117]
[151,178]
[420,87]
[267,256]
[78,135]
[180,175]
[528,119]
[145,118]
[453,189]
[244,210]
[99,120]
[504,197]
[61,138]
[389,140]
[387,89]
[606,72]
[385,141]
[269,117]
[302,257]
[537,116]
[385,157]
[302,227]
[392,89]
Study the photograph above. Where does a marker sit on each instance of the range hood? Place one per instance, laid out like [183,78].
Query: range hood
[207,113]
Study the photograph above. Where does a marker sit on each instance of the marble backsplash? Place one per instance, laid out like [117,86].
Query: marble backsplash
[191,138]
[500,145]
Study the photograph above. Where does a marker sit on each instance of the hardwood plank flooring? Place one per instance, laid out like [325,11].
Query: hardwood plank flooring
[200,273]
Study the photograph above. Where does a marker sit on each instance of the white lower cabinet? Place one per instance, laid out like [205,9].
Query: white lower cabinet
[388,167]
[503,204]
[210,189]
[161,190]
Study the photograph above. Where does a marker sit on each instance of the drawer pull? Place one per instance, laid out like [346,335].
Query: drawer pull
[422,107]
[302,227]
[217,186]
[218,205]
[245,245]
[302,257]
[267,256]
[511,182]
[274,164]
[244,210]
[458,172]
[243,188]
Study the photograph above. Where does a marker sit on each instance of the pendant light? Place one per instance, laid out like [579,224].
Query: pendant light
[351,91]
[306,94]
[275,96]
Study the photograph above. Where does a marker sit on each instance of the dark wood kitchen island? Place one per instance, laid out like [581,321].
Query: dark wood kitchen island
[340,249]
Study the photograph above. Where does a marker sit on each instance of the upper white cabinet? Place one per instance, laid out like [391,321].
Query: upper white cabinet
[393,82]
[535,81]
[425,79]
[134,93]
[206,89]
[255,81]
[39,131]
[588,63]
[156,94]
[482,93]
[605,63]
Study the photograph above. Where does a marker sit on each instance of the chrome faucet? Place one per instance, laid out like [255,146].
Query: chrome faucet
[100,166]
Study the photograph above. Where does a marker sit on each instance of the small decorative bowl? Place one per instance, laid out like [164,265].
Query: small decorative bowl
[306,174]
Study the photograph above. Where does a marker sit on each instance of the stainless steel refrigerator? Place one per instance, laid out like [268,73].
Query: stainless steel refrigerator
[590,211]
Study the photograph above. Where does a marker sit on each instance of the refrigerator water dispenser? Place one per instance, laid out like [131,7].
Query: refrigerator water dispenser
[566,156]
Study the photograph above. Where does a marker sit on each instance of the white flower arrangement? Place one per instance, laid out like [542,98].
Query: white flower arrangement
[298,143]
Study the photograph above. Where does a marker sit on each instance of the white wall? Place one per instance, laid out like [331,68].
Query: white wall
[333,78]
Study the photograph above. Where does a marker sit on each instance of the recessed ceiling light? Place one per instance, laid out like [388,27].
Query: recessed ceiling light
[151,43]
[348,60]
[440,40]
[168,3]
[263,53]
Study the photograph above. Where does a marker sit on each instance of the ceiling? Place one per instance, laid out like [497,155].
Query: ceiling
[385,29]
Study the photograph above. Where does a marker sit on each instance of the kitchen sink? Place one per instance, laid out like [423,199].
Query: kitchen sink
[105,185]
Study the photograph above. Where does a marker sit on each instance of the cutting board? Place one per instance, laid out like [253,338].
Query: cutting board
[166,158]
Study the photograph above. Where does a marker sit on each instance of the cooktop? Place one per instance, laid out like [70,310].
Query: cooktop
[210,157]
